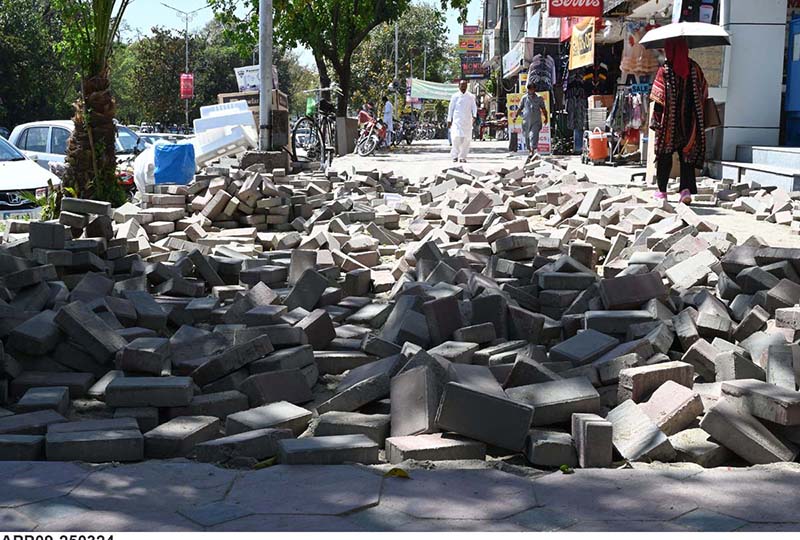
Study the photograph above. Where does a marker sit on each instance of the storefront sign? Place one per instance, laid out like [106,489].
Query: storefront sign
[472,67]
[513,59]
[187,85]
[523,81]
[471,29]
[470,44]
[581,50]
[514,114]
[575,8]
[545,135]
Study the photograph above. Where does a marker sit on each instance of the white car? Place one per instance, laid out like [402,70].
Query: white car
[46,141]
[18,175]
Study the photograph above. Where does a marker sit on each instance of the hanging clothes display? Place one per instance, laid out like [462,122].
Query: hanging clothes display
[575,99]
[542,72]
[629,111]
[635,58]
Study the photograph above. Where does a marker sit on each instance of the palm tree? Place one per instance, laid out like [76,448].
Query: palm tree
[89,30]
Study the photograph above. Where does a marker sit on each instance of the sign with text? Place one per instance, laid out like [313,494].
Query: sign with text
[575,8]
[187,85]
[470,44]
[249,78]
[581,47]
[472,67]
[471,29]
[514,114]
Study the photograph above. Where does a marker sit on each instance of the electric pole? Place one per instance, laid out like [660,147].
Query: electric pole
[425,64]
[265,66]
[396,81]
[187,16]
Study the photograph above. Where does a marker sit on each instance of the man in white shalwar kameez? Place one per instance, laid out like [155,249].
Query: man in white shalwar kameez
[460,115]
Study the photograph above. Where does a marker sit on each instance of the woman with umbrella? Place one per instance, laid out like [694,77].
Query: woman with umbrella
[679,93]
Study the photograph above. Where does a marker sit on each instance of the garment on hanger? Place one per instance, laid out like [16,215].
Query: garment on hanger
[575,99]
[542,72]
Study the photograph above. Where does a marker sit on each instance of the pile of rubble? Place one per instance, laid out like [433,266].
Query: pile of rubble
[360,317]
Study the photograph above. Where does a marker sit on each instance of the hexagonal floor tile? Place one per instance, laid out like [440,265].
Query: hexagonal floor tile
[38,481]
[703,520]
[121,520]
[157,485]
[608,495]
[543,520]
[265,523]
[15,521]
[459,494]
[757,495]
[306,489]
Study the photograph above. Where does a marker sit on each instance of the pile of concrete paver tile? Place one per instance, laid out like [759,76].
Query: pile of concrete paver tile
[769,204]
[361,317]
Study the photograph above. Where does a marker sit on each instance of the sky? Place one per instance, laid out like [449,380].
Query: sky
[144,14]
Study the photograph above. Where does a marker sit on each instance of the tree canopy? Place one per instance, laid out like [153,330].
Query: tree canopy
[331,29]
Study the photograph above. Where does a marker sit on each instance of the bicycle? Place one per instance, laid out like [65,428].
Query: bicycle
[315,136]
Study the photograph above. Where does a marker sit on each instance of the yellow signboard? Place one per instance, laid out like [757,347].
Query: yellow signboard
[470,44]
[514,114]
[581,47]
[523,81]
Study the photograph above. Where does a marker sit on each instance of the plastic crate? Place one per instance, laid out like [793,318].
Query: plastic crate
[224,108]
[597,118]
[215,143]
[232,118]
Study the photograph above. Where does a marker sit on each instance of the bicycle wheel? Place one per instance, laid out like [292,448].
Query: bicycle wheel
[306,140]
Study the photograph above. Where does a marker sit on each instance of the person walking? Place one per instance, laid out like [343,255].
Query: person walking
[534,115]
[460,115]
[388,119]
[679,94]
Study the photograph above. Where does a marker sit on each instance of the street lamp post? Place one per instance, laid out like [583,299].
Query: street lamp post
[265,66]
[187,16]
[425,64]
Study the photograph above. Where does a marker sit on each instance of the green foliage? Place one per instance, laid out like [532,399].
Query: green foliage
[331,29]
[51,203]
[419,27]
[33,85]
[89,31]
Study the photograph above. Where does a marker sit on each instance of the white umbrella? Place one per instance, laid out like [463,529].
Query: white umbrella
[697,35]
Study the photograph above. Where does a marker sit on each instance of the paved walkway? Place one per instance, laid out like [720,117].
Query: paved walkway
[180,495]
[425,158]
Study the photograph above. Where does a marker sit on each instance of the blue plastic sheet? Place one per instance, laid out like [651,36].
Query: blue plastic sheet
[174,164]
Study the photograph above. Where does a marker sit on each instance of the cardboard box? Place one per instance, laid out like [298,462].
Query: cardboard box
[280,102]
[595,102]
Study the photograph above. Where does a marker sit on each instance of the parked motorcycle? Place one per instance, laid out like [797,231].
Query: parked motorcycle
[370,137]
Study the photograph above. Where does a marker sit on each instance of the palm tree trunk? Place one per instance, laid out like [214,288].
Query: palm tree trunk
[91,153]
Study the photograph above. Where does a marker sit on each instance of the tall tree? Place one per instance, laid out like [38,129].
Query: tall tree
[421,26]
[89,33]
[331,29]
[34,83]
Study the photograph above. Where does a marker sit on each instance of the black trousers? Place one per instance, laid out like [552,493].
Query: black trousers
[664,167]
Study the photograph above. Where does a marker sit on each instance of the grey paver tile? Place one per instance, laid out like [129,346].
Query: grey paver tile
[708,521]
[464,494]
[214,513]
[306,489]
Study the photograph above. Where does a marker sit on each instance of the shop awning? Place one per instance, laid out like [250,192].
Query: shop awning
[432,90]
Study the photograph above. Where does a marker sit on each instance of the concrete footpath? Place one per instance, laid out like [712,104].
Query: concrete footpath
[180,495]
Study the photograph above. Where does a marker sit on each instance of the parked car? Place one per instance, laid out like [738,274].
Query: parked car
[47,141]
[4,132]
[19,174]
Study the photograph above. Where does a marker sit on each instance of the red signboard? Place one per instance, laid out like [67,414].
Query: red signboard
[471,29]
[187,85]
[575,8]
